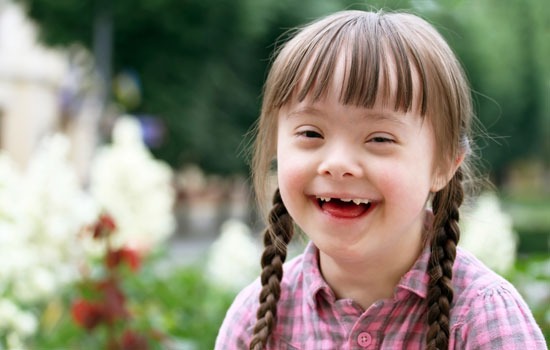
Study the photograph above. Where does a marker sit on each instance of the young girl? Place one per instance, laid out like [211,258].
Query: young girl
[367,116]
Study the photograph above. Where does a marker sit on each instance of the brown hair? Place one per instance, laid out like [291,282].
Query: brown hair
[374,44]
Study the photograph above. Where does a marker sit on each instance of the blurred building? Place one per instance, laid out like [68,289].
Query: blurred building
[41,92]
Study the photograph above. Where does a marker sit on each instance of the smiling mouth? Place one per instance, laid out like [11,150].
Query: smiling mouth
[344,207]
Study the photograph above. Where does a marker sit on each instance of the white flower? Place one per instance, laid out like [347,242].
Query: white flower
[16,323]
[11,237]
[55,209]
[25,323]
[134,188]
[234,257]
[8,311]
[41,213]
[488,233]
[37,283]
[127,133]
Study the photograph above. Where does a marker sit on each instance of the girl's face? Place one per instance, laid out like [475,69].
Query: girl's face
[355,180]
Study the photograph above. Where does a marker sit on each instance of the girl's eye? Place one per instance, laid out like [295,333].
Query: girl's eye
[310,134]
[381,139]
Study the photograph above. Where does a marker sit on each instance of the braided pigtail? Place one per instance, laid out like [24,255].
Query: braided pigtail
[276,238]
[446,234]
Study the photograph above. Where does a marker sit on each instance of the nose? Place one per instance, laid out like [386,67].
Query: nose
[340,161]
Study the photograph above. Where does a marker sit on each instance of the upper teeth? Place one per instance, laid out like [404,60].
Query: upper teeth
[357,201]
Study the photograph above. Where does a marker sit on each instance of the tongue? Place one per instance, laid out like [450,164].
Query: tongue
[344,209]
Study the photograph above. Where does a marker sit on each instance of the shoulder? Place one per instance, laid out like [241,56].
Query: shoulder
[470,274]
[238,325]
[488,312]
[236,329]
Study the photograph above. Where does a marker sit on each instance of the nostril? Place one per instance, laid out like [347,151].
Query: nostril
[341,170]
[341,161]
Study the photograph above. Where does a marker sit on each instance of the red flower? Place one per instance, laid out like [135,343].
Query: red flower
[104,226]
[130,256]
[131,340]
[113,301]
[113,259]
[87,314]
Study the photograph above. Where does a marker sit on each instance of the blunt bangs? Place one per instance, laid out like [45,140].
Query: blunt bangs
[377,64]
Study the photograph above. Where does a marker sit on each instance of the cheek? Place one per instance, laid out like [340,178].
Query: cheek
[391,181]
[292,181]
[289,166]
[291,172]
[405,186]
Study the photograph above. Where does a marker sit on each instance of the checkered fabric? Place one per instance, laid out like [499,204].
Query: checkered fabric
[487,312]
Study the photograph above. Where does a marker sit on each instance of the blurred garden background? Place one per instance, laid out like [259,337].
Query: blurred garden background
[127,220]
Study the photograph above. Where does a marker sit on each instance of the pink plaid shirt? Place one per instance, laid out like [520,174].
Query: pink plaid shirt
[487,312]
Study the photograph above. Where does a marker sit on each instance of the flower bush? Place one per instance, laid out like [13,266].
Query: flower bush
[43,211]
[134,188]
[102,300]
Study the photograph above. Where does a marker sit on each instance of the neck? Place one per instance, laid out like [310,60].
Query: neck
[372,279]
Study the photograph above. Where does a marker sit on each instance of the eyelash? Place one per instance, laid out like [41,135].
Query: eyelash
[381,139]
[310,134]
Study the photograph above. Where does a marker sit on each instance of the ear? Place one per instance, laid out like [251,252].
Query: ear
[441,179]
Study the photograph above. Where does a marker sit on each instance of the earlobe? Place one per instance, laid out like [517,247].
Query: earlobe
[441,180]
[438,183]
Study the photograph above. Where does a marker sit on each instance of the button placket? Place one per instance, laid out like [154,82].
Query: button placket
[364,339]
[366,331]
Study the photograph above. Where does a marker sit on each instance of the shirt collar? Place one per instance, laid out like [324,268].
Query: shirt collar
[314,282]
[415,280]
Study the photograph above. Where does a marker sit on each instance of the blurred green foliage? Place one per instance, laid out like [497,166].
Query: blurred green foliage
[202,64]
[531,222]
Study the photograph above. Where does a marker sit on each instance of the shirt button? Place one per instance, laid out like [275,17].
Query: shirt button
[364,339]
